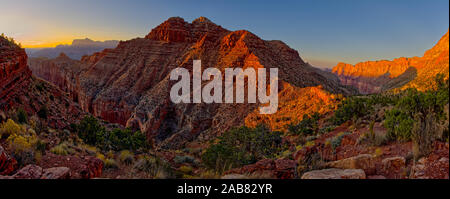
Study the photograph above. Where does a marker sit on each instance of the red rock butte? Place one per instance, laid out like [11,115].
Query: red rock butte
[130,83]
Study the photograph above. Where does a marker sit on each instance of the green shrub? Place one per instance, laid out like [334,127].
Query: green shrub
[93,133]
[186,170]
[22,116]
[155,167]
[420,116]
[337,140]
[242,146]
[399,125]
[110,164]
[126,157]
[61,149]
[308,126]
[353,107]
[183,159]
[10,128]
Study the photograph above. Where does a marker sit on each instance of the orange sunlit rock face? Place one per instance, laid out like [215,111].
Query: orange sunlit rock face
[294,102]
[377,76]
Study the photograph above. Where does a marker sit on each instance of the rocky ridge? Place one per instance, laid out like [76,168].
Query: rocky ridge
[130,85]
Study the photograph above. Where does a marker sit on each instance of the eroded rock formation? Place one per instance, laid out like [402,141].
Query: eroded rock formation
[130,84]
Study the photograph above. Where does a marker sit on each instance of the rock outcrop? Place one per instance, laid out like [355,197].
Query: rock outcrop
[365,162]
[36,172]
[267,168]
[85,167]
[19,89]
[14,72]
[130,84]
[335,174]
[7,163]
[377,76]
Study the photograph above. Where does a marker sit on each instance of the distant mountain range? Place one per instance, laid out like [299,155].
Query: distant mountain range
[76,50]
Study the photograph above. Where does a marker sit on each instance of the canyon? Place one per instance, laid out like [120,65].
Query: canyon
[416,72]
[130,84]
[76,50]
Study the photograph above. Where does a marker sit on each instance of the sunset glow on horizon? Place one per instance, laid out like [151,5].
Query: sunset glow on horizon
[324,32]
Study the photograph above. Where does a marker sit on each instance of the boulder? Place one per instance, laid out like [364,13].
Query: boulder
[394,167]
[234,176]
[29,172]
[365,162]
[268,169]
[56,173]
[7,163]
[335,174]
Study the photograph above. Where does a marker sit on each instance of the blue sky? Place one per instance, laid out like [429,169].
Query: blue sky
[325,32]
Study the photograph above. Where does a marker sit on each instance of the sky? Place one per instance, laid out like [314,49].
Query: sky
[324,32]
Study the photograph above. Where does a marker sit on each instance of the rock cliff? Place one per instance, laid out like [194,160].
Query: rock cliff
[378,76]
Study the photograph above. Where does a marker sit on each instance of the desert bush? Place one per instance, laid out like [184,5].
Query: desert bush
[209,174]
[336,141]
[10,128]
[41,146]
[308,126]
[22,116]
[110,164]
[183,159]
[312,160]
[242,146]
[126,157]
[185,169]
[153,166]
[350,108]
[420,116]
[93,133]
[22,148]
[62,149]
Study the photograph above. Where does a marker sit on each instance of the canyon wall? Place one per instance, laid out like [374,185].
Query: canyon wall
[14,72]
[377,76]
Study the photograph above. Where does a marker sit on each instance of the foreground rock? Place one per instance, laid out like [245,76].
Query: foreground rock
[366,162]
[335,174]
[394,167]
[7,163]
[36,172]
[85,167]
[56,173]
[268,168]
[29,172]
[435,166]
